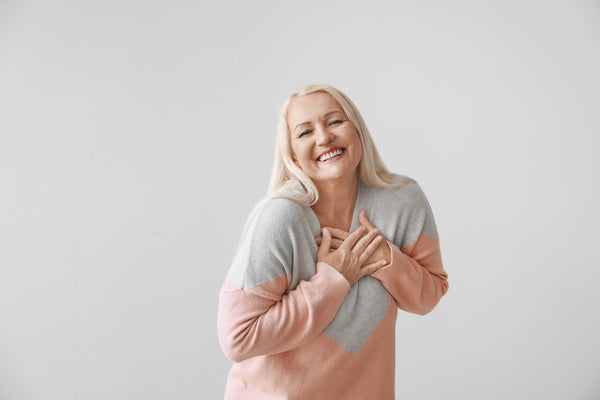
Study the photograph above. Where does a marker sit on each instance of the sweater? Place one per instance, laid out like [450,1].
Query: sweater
[296,329]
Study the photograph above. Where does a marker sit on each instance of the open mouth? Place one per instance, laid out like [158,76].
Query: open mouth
[331,155]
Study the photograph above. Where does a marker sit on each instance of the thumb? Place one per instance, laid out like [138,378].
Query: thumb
[325,244]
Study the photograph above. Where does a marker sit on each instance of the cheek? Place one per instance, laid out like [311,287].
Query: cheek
[298,151]
[301,149]
[359,147]
[355,141]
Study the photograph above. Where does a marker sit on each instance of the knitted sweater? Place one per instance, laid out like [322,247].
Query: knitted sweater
[296,329]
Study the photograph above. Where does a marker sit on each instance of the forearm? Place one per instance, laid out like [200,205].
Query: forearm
[416,281]
[266,320]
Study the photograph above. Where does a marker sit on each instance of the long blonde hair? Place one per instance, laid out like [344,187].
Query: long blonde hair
[290,182]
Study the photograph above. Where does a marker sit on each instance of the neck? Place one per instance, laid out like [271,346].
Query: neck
[336,199]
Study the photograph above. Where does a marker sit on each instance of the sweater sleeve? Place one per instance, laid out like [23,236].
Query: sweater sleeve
[415,276]
[258,313]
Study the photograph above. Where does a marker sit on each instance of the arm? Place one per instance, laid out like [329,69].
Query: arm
[258,314]
[415,276]
[265,320]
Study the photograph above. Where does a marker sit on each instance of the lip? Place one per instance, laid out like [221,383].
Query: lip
[329,150]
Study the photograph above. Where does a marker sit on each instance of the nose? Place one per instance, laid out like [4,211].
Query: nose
[324,136]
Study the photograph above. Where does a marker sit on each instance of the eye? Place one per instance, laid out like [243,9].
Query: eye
[305,132]
[335,122]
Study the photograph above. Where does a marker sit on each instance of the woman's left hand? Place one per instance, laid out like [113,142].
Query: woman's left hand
[338,236]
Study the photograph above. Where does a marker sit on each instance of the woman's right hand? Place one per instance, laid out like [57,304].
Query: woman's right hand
[350,257]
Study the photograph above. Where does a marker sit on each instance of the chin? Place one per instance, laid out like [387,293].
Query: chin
[333,176]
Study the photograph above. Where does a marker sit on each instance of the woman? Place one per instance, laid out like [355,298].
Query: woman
[306,316]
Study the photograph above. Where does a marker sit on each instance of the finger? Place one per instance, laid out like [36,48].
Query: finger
[364,221]
[351,240]
[373,267]
[371,248]
[335,243]
[364,242]
[325,242]
[338,233]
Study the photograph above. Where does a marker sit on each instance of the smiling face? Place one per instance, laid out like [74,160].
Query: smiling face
[325,144]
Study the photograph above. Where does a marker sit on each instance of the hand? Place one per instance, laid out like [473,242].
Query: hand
[338,236]
[349,258]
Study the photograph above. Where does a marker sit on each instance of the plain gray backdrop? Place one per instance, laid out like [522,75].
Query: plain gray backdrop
[135,137]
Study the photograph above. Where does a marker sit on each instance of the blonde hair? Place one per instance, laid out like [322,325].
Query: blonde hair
[290,182]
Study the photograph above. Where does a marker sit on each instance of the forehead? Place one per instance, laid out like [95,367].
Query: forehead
[311,106]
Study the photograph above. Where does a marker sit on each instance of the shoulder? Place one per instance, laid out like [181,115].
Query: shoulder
[279,219]
[266,248]
[405,194]
[278,213]
[406,204]
[280,207]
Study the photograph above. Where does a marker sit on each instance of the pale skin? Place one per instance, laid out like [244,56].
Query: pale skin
[338,236]
[318,125]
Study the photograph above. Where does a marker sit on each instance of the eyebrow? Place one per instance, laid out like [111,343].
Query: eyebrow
[324,116]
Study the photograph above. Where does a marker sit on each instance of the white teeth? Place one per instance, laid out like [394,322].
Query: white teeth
[329,155]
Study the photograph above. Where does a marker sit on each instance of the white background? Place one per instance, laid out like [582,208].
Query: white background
[135,136]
